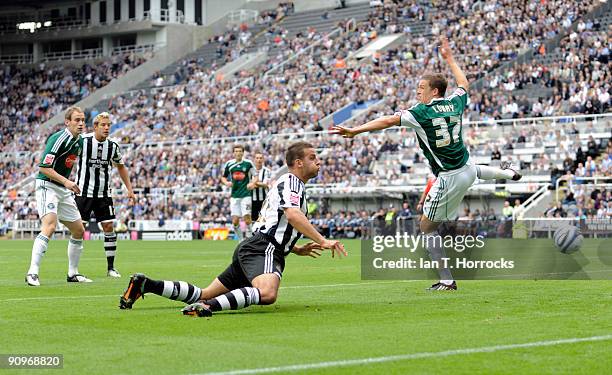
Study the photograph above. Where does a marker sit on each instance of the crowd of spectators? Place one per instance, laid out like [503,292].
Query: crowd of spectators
[29,97]
[578,81]
[493,31]
[581,200]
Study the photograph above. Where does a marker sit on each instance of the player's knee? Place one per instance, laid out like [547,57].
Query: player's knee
[78,232]
[235,221]
[207,293]
[48,228]
[107,227]
[267,296]
[426,225]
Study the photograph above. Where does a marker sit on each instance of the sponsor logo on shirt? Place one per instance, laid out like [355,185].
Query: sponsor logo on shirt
[49,159]
[294,199]
[70,160]
[238,175]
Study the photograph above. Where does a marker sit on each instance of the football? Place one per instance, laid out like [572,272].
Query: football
[568,239]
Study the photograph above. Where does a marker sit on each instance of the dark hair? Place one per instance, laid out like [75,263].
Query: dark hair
[238,146]
[437,81]
[295,152]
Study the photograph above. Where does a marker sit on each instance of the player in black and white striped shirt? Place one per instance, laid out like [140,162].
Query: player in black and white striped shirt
[259,185]
[254,275]
[93,178]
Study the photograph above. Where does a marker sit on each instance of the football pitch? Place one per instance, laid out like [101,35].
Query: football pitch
[326,320]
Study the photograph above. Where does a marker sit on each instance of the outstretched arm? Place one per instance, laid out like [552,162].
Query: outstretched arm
[447,55]
[300,222]
[377,124]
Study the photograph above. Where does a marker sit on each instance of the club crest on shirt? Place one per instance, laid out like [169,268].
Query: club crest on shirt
[70,160]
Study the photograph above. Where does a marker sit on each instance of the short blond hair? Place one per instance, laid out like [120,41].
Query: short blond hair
[100,116]
[72,110]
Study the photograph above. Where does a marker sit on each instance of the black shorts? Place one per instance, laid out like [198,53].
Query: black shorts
[256,209]
[253,257]
[101,207]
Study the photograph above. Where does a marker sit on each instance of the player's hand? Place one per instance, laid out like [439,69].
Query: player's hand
[336,247]
[445,50]
[228,184]
[72,186]
[419,207]
[131,198]
[341,130]
[311,249]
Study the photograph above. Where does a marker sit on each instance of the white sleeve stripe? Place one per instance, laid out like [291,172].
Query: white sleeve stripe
[406,116]
[58,142]
[459,91]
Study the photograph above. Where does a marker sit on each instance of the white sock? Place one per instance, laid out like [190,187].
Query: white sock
[491,173]
[38,250]
[249,230]
[435,249]
[238,232]
[75,248]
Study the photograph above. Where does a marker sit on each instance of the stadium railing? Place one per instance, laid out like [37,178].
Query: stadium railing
[164,16]
[532,201]
[239,16]
[26,58]
[93,53]
[143,48]
[561,120]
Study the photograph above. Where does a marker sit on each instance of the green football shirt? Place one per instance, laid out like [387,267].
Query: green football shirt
[61,153]
[438,129]
[240,174]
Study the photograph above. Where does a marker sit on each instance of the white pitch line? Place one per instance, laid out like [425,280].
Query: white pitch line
[404,357]
[282,287]
[347,284]
[57,297]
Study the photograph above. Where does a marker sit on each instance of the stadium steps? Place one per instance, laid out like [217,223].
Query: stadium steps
[206,55]
[299,22]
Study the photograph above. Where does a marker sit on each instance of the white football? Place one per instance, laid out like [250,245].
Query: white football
[568,239]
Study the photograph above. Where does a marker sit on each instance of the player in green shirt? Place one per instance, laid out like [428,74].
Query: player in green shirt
[55,196]
[236,174]
[436,120]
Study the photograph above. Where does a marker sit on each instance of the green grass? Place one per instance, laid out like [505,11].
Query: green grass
[308,324]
